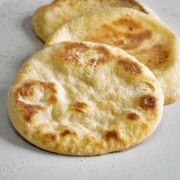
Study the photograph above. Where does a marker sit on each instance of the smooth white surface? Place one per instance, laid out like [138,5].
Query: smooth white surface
[158,158]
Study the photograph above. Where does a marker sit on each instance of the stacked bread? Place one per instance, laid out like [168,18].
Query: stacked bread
[100,83]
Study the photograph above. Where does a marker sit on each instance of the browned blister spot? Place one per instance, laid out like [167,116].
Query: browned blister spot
[25,90]
[104,53]
[72,53]
[136,39]
[81,47]
[132,116]
[51,136]
[122,33]
[29,111]
[148,102]
[52,100]
[66,133]
[130,66]
[112,135]
[50,86]
[24,94]
[129,23]
[154,57]
[79,106]
[68,53]
[28,88]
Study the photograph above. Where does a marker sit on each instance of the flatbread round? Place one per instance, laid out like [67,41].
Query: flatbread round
[47,19]
[141,35]
[82,98]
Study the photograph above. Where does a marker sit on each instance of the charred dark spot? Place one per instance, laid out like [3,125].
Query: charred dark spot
[112,135]
[148,102]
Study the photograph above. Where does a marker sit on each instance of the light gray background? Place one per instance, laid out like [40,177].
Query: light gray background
[158,158]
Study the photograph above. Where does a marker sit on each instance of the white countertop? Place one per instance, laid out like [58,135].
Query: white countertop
[158,158]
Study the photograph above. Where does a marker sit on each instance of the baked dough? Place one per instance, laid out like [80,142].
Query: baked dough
[139,34]
[48,18]
[84,99]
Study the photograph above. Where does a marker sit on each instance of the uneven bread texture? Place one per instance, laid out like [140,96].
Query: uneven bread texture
[47,19]
[84,99]
[142,36]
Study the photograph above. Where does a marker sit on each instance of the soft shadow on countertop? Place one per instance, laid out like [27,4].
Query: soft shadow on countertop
[28,30]
[7,132]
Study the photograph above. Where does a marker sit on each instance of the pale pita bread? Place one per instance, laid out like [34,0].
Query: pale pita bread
[141,35]
[47,19]
[82,98]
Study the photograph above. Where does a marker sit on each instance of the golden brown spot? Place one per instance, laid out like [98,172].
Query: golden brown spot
[114,34]
[112,135]
[109,31]
[129,23]
[68,133]
[29,111]
[79,106]
[51,136]
[52,100]
[74,52]
[132,116]
[104,53]
[148,102]
[154,57]
[81,47]
[136,39]
[130,66]
[27,90]
[69,52]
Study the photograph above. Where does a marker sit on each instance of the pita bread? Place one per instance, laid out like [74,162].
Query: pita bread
[82,98]
[141,35]
[47,19]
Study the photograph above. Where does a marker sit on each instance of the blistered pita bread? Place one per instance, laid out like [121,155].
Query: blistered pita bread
[139,34]
[85,99]
[48,18]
